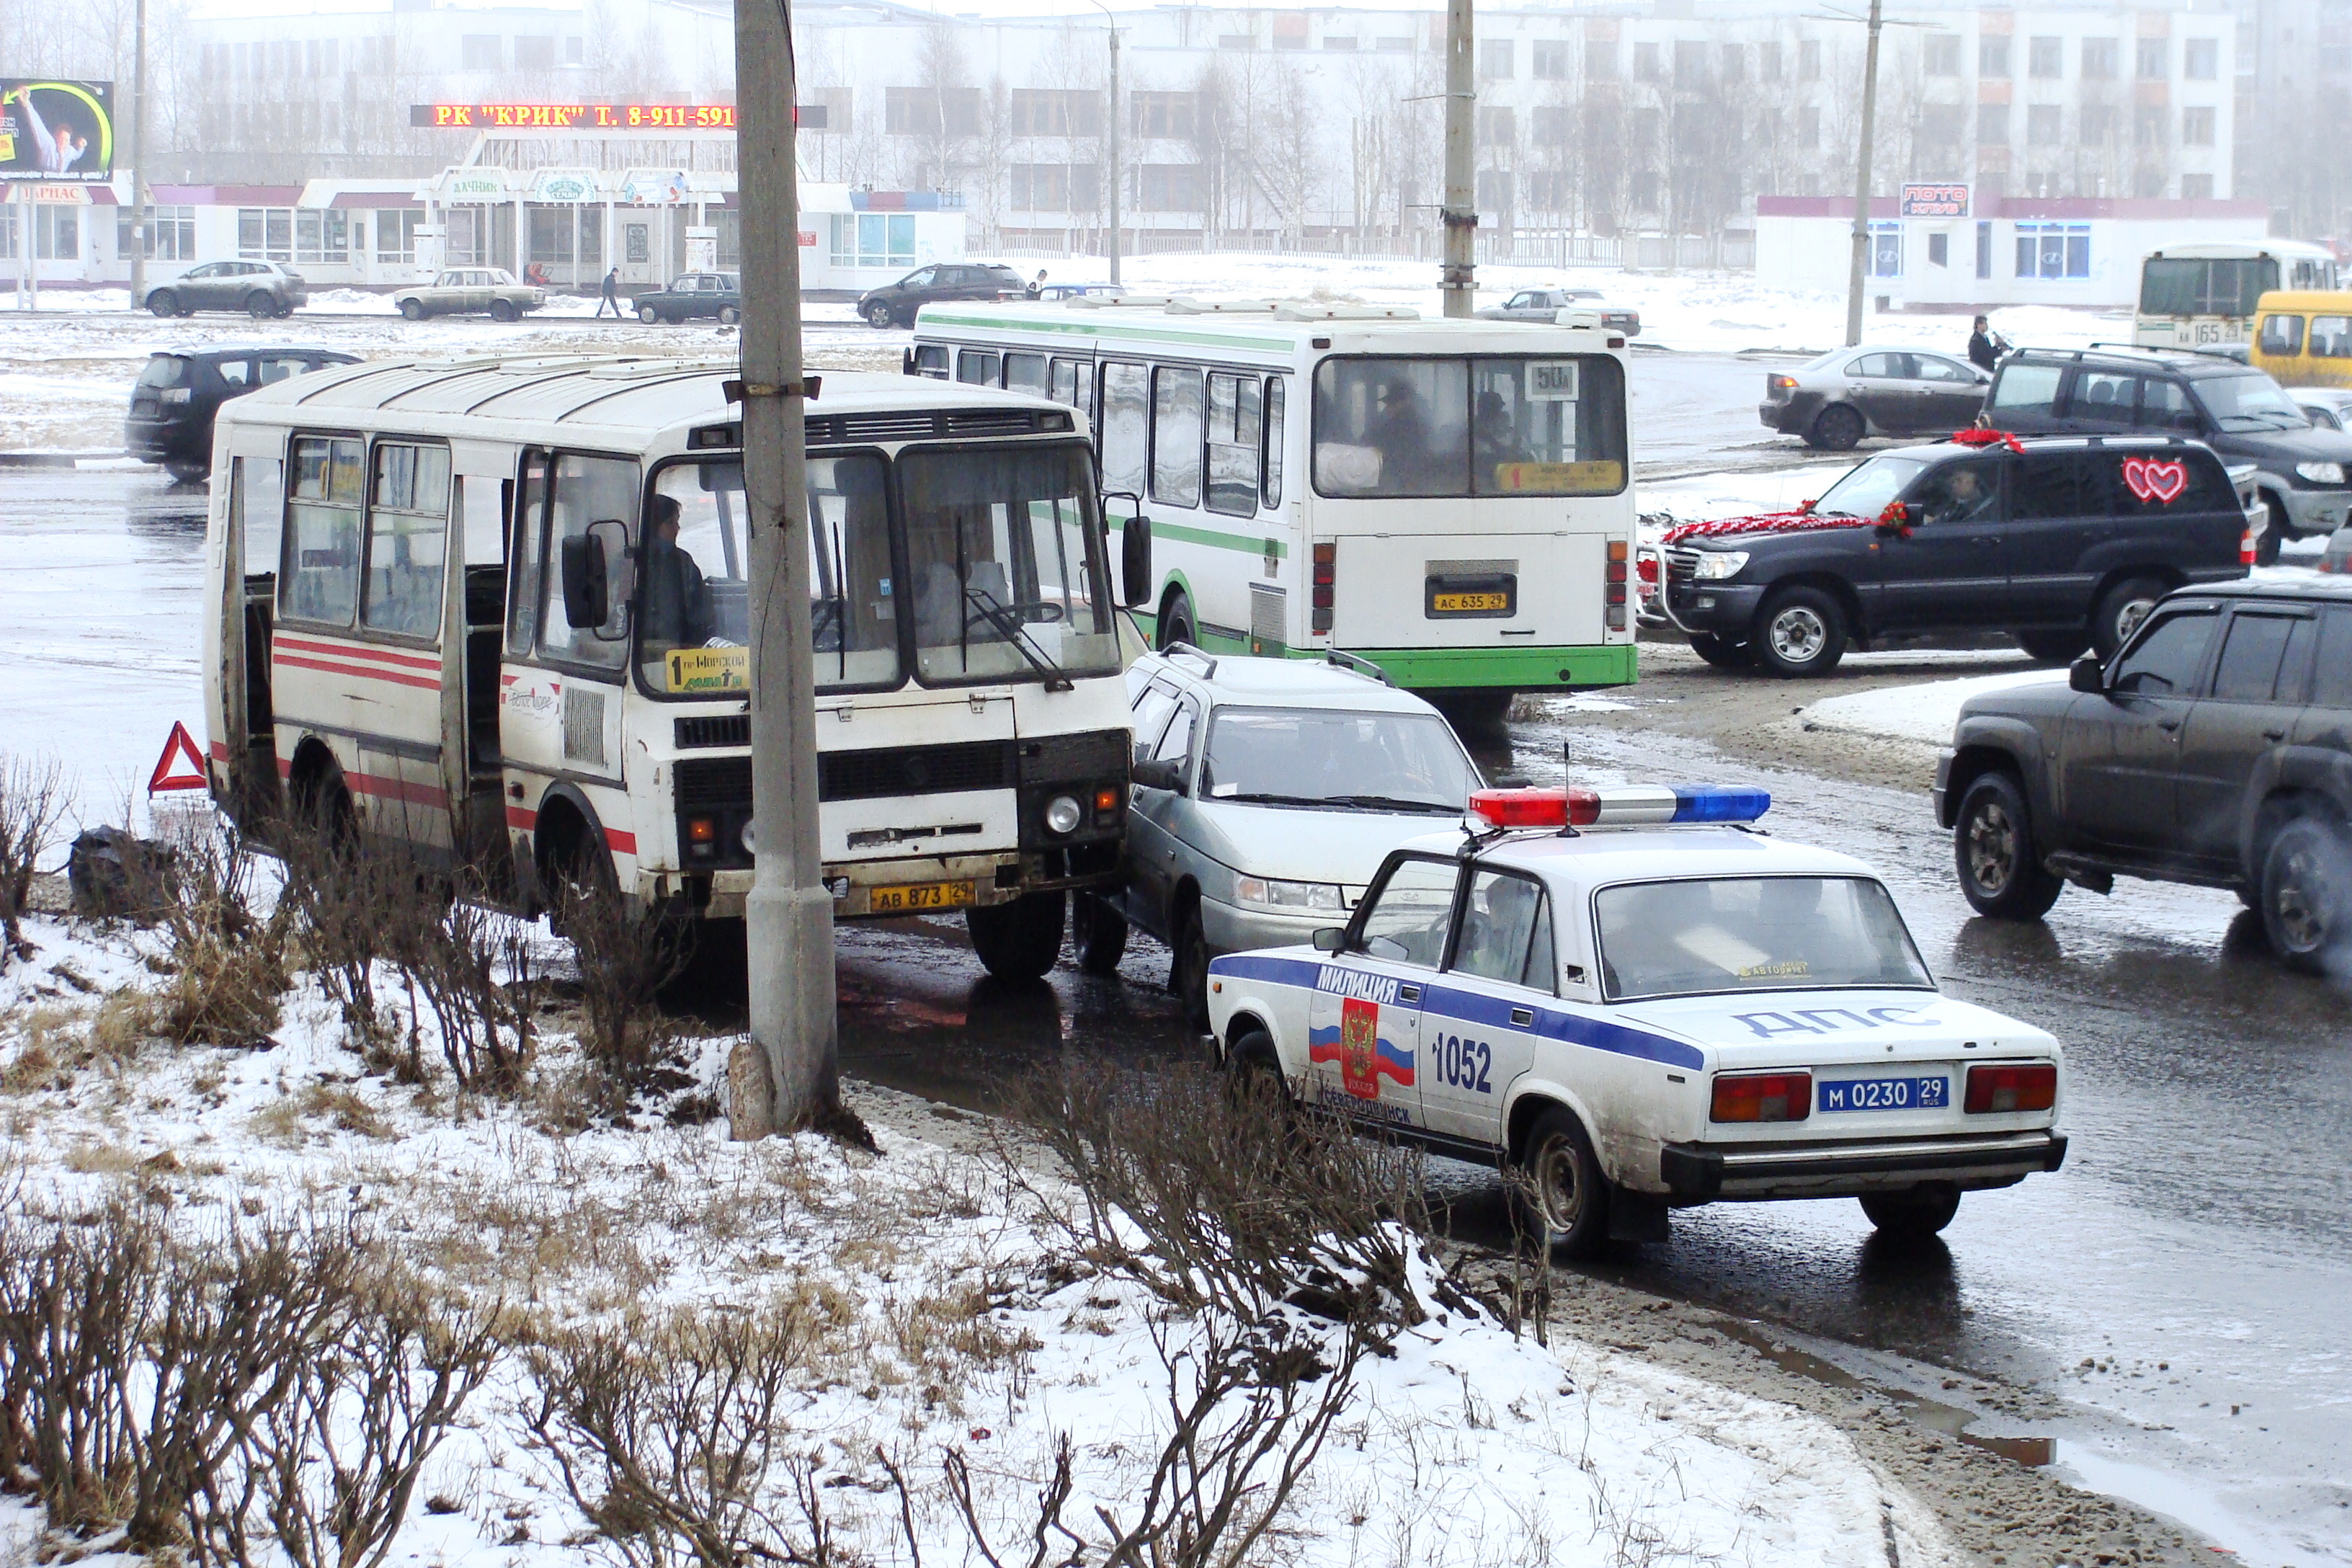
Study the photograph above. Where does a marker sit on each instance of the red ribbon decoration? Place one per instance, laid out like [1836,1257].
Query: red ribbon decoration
[1798,521]
[1986,438]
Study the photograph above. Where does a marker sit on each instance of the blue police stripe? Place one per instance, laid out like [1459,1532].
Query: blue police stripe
[1478,1009]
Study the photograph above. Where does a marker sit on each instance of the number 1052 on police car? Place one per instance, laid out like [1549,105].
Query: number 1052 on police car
[1886,1094]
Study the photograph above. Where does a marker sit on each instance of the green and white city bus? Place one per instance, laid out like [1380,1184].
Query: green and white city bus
[1450,499]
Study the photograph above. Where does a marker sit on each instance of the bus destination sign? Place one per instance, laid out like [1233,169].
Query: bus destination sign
[593,116]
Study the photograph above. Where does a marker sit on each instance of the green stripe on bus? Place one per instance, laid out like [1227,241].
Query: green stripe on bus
[1523,668]
[1215,538]
[1110,329]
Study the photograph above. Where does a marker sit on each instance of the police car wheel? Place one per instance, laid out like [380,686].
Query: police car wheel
[1097,934]
[2307,897]
[1565,1193]
[1255,1070]
[1800,632]
[2000,865]
[1913,1214]
[1019,940]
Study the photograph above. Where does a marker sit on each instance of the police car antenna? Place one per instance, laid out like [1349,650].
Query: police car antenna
[1566,761]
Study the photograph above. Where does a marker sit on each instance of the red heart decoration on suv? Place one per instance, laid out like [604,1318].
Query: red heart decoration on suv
[2155,478]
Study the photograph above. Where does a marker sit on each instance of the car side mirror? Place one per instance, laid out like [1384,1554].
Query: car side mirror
[1330,939]
[2085,675]
[1157,772]
[1895,520]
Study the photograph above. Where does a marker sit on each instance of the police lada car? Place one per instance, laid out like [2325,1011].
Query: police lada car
[1640,1002]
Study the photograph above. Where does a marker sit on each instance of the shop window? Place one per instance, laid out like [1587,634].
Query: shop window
[321,235]
[873,239]
[2054,250]
[265,234]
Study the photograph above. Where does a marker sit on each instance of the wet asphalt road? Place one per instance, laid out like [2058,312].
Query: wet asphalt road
[2179,1292]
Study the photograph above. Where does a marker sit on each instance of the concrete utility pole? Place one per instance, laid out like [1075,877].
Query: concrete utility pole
[1457,277]
[789,924]
[1859,266]
[139,160]
[1114,137]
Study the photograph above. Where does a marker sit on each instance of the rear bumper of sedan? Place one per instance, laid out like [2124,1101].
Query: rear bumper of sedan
[1696,1172]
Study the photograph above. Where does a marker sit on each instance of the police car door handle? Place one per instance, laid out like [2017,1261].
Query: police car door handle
[2167,725]
[2274,734]
[1522,1017]
[1408,993]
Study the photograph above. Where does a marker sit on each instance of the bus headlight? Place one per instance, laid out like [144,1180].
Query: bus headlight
[1266,893]
[1061,815]
[1714,565]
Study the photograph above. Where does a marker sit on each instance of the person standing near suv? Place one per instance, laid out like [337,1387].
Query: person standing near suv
[1986,346]
[2242,414]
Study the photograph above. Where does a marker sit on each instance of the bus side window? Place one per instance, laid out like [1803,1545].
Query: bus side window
[1176,430]
[1235,416]
[2281,335]
[1125,443]
[529,546]
[407,540]
[485,511]
[1270,485]
[321,577]
[259,486]
[1070,383]
[979,367]
[931,360]
[1025,372]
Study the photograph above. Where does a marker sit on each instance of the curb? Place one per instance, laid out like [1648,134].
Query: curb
[63,459]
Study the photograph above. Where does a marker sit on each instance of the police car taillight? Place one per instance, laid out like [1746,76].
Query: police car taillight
[1996,1088]
[1626,806]
[1764,1096]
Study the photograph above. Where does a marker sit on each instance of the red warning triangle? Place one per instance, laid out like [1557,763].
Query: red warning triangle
[180,744]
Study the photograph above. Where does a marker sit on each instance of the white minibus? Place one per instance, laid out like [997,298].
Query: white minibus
[496,611]
[1450,499]
[2202,296]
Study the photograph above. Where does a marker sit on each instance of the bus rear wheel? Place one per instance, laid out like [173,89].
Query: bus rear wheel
[1176,623]
[1484,708]
[1019,940]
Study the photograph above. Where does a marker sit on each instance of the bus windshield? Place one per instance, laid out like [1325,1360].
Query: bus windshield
[1485,425]
[1005,578]
[1752,934]
[2194,285]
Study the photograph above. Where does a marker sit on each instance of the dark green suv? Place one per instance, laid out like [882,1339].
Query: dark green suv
[2215,748]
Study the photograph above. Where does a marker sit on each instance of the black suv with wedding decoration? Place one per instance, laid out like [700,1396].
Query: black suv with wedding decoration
[2064,544]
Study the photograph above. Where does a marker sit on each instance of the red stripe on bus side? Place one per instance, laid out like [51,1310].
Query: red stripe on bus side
[615,840]
[429,683]
[384,789]
[359,651]
[521,817]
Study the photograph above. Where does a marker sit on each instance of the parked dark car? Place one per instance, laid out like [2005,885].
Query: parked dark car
[260,288]
[895,304]
[1834,401]
[2064,543]
[717,295]
[2215,748]
[2240,413]
[1546,304]
[176,395]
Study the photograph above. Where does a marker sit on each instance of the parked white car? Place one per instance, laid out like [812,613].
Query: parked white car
[1266,792]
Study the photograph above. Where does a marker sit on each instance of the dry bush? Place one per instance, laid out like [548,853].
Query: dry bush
[227,960]
[1212,1193]
[669,1436]
[335,1466]
[626,956]
[32,804]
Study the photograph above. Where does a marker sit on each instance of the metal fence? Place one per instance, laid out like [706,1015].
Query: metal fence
[1733,251]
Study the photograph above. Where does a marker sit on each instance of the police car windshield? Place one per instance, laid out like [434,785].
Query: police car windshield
[1752,934]
[1865,491]
[1334,760]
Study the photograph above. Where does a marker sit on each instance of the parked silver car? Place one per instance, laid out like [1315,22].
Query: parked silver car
[1834,401]
[2329,408]
[1546,304]
[260,288]
[470,291]
[1266,793]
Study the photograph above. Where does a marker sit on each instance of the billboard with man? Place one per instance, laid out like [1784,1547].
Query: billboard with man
[56,130]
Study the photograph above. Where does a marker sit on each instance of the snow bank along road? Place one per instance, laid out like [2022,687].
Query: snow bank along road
[2170,1308]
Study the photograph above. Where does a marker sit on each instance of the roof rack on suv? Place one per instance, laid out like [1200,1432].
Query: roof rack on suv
[1186,650]
[1354,665]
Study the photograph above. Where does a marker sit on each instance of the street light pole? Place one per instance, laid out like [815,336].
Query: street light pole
[1114,137]
[1457,277]
[789,914]
[138,215]
[1857,267]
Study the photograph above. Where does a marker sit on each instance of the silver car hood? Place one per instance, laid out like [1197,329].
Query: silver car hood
[1301,844]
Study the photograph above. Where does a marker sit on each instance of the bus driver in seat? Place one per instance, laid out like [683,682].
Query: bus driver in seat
[677,601]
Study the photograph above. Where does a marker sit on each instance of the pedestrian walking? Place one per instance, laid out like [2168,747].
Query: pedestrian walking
[611,293]
[1986,346]
[1036,289]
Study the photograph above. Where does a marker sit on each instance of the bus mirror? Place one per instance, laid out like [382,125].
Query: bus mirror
[1135,562]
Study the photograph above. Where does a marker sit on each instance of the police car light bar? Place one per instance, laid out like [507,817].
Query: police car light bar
[1629,805]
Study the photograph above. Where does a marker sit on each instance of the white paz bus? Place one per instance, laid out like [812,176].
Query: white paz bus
[2202,296]
[496,612]
[1450,499]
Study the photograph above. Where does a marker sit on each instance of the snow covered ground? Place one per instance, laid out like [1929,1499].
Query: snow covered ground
[951,1322]
[1925,712]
